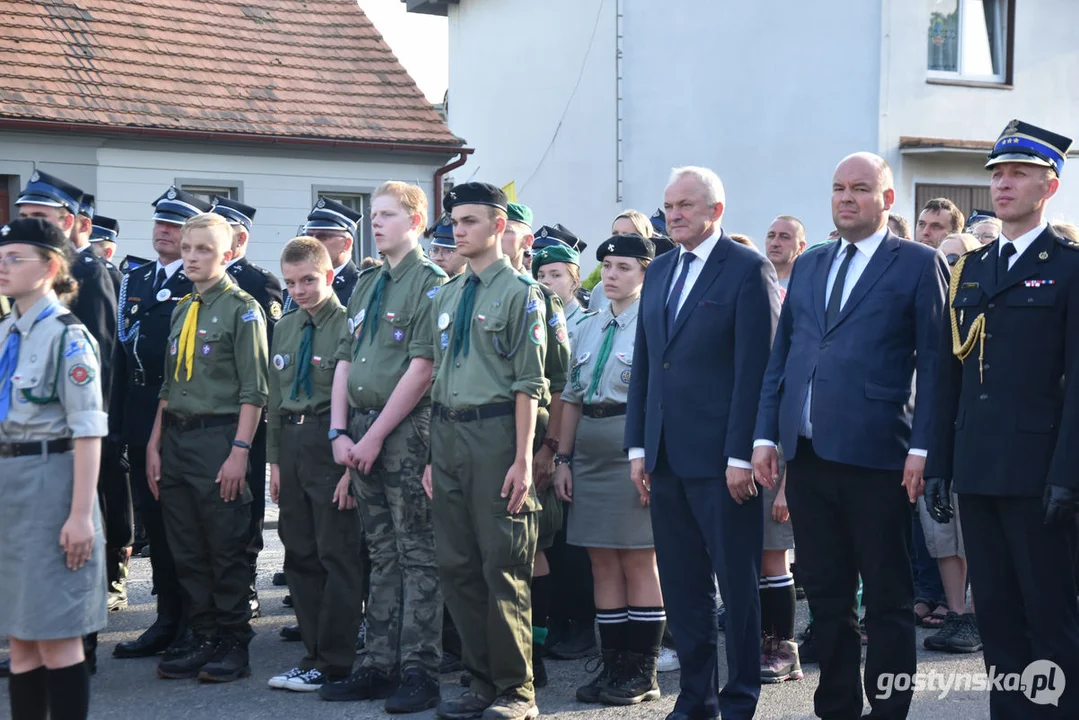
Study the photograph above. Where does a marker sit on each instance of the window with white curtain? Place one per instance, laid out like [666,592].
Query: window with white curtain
[968,39]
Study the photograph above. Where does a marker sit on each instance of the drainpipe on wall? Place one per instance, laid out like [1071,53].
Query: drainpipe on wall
[618,39]
[462,158]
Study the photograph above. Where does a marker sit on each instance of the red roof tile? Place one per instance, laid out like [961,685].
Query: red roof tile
[315,69]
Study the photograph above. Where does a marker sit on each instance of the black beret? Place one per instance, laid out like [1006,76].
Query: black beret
[626,245]
[662,243]
[557,233]
[34,231]
[475,193]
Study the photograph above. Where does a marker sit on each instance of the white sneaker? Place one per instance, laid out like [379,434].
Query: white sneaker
[668,661]
[309,681]
[278,681]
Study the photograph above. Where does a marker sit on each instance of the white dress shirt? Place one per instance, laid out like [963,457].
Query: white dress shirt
[701,252]
[1021,243]
[337,270]
[169,269]
[858,263]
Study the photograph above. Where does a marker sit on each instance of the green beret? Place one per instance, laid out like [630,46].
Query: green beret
[553,254]
[519,212]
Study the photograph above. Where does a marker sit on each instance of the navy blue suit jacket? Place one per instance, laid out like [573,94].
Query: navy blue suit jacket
[696,391]
[862,368]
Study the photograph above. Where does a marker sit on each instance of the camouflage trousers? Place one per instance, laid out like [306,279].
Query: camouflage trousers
[404,610]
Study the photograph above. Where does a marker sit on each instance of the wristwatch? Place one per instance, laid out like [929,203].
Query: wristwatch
[335,433]
[563,458]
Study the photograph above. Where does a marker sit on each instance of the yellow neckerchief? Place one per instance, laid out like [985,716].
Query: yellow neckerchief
[187,339]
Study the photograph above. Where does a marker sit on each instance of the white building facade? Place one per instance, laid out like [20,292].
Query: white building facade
[588,104]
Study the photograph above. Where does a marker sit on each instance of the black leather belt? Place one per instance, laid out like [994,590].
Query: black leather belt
[483,412]
[604,411]
[359,412]
[51,447]
[197,422]
[300,419]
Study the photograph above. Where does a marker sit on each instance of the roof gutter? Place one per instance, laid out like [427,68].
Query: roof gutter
[165,133]
[436,188]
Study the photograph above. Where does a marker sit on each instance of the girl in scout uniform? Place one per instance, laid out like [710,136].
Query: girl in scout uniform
[559,268]
[609,513]
[51,425]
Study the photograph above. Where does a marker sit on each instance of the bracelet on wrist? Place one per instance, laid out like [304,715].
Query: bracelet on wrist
[551,444]
[241,444]
[563,458]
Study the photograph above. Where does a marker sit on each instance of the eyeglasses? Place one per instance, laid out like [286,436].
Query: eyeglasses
[986,237]
[952,258]
[13,260]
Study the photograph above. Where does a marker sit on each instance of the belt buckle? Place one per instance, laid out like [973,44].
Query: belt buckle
[6,450]
[298,419]
[599,411]
[451,414]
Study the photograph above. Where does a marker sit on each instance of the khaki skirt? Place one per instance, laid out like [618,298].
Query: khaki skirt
[40,599]
[606,510]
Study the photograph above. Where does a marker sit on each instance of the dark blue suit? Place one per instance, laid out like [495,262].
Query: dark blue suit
[692,401]
[848,508]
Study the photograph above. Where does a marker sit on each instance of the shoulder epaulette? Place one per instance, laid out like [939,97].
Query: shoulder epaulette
[433,268]
[527,280]
[367,270]
[585,315]
[291,310]
[454,279]
[1068,242]
[68,318]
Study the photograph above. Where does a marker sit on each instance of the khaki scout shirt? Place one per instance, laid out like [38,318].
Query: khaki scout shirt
[230,355]
[556,364]
[574,316]
[56,386]
[406,328]
[508,340]
[329,321]
[614,382]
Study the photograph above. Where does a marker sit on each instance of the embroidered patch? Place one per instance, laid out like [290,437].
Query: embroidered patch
[275,310]
[279,362]
[433,291]
[316,359]
[175,347]
[536,333]
[398,334]
[206,348]
[80,374]
[533,306]
[252,315]
[163,294]
[390,316]
[443,321]
[201,333]
[76,347]
[560,334]
[444,340]
[481,318]
[556,318]
[133,309]
[625,376]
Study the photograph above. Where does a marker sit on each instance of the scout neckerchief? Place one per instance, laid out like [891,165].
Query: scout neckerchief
[303,363]
[374,307]
[601,359]
[187,339]
[463,321]
[10,359]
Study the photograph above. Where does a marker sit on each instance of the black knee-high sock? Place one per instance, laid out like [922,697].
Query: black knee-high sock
[69,692]
[28,695]
[542,588]
[778,602]
[645,631]
[612,628]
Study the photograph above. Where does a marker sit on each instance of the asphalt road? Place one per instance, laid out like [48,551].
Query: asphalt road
[130,688]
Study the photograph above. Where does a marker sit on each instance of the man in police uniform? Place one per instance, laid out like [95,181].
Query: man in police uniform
[443,251]
[334,225]
[381,396]
[148,295]
[261,284]
[516,241]
[489,357]
[211,402]
[103,236]
[1008,430]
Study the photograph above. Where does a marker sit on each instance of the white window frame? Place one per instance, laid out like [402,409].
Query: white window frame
[232,189]
[363,244]
[1003,37]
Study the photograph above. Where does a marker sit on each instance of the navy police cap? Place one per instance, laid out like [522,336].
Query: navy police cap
[558,232]
[1025,143]
[104,228]
[88,205]
[442,234]
[331,215]
[50,191]
[176,207]
[234,211]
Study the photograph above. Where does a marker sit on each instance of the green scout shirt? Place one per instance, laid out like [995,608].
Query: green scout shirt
[406,328]
[329,322]
[556,364]
[230,355]
[508,340]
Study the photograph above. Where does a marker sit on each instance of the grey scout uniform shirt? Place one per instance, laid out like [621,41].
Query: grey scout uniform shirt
[508,340]
[329,322]
[406,328]
[230,355]
[58,365]
[613,386]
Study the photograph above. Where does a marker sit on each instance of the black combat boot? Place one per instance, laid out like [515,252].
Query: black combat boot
[636,681]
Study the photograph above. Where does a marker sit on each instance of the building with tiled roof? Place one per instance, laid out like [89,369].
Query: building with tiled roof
[272,102]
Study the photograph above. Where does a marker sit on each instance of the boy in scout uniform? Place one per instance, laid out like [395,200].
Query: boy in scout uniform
[334,225]
[515,241]
[325,574]
[381,395]
[261,284]
[211,400]
[489,355]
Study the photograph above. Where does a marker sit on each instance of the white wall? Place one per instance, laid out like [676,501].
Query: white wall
[1045,92]
[126,176]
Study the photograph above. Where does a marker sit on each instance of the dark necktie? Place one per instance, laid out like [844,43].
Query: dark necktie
[374,308]
[159,281]
[676,290]
[1006,251]
[303,363]
[462,322]
[835,300]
